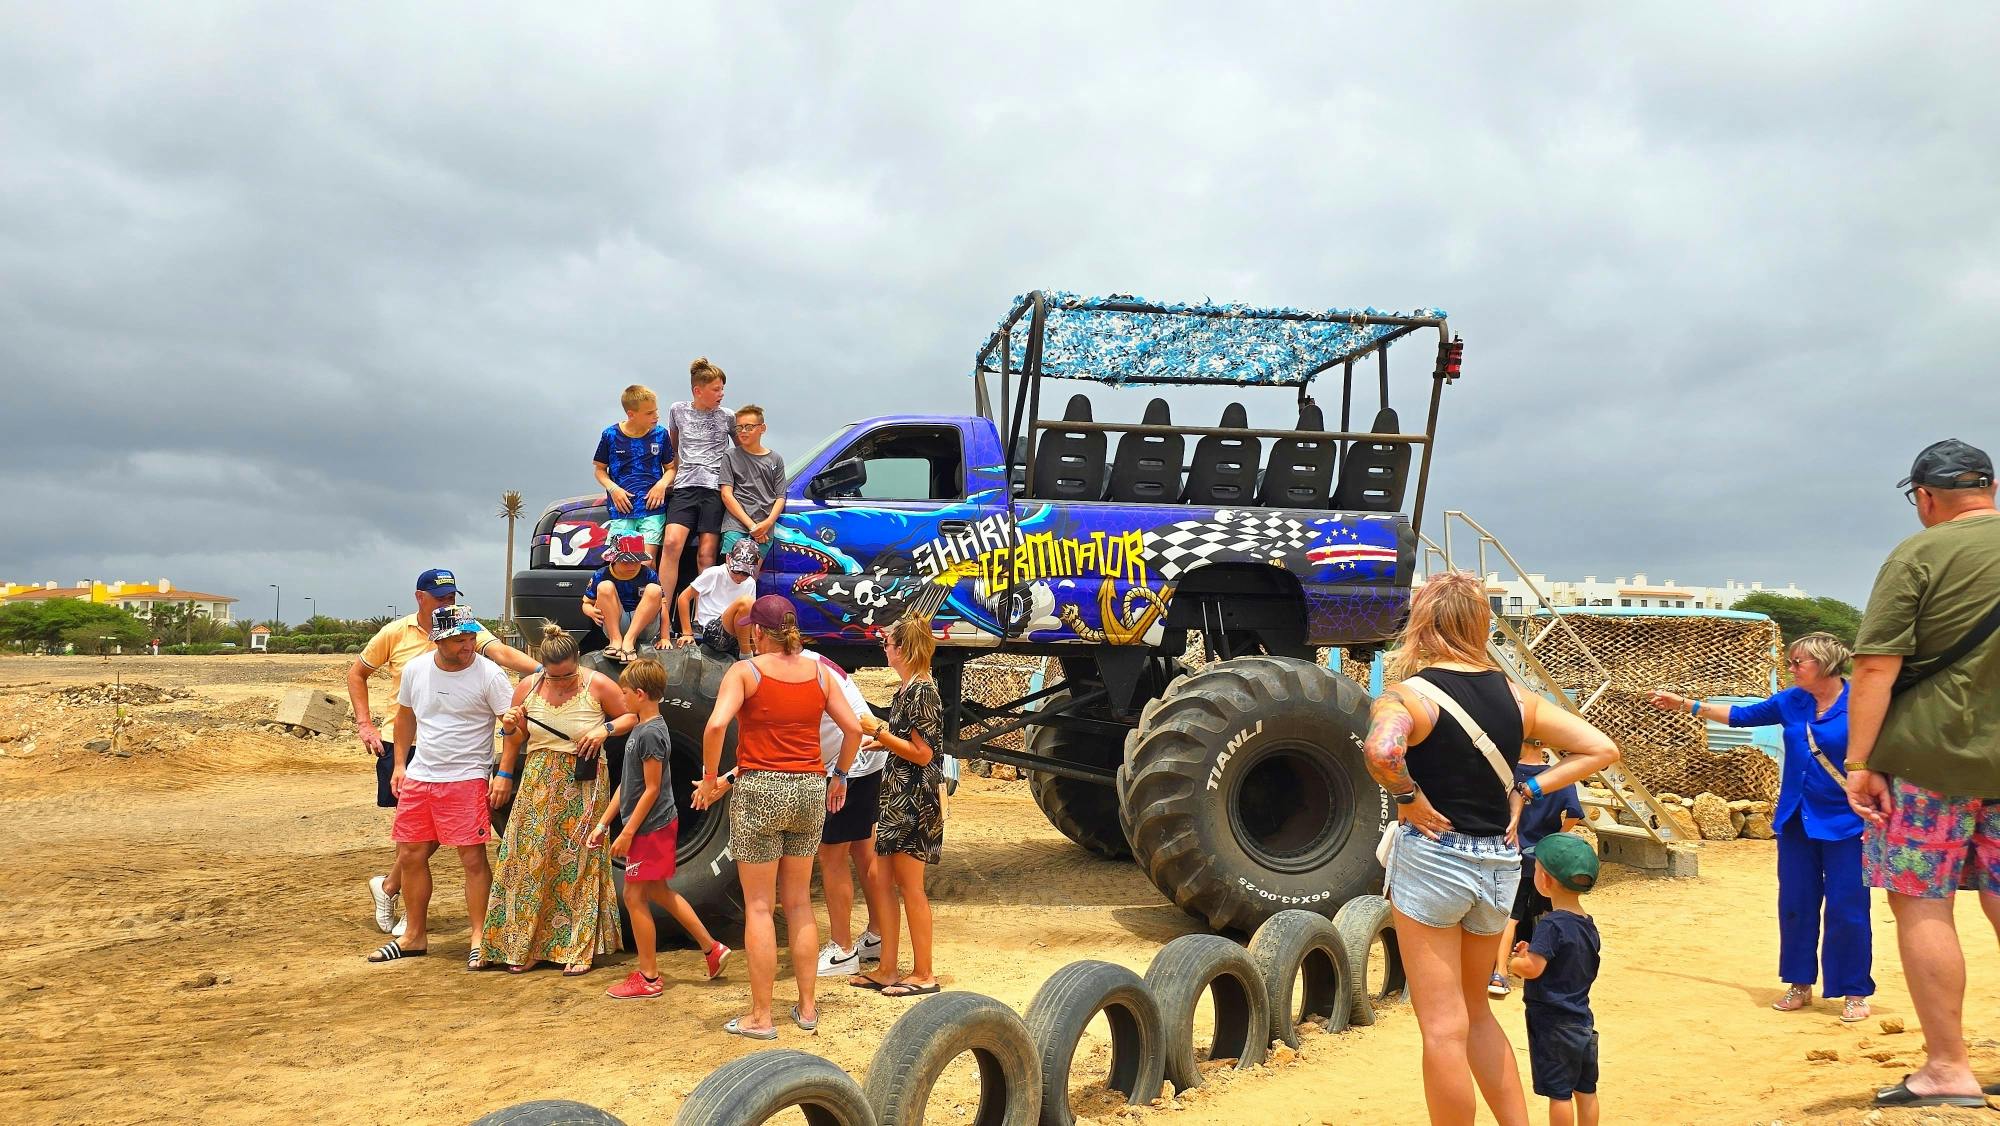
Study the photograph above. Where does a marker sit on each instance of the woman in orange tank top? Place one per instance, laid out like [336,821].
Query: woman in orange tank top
[781,797]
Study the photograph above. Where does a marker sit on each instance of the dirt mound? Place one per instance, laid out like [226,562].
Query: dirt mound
[137,692]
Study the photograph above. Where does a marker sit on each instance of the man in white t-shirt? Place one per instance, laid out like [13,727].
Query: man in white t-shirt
[850,836]
[450,699]
[709,606]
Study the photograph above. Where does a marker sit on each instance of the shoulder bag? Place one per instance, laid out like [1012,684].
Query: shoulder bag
[1448,706]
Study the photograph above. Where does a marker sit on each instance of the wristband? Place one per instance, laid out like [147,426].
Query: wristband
[503,774]
[1862,765]
[1406,799]
[1534,788]
[1694,707]
[837,774]
[607,727]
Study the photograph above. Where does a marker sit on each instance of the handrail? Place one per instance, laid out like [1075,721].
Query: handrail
[1168,431]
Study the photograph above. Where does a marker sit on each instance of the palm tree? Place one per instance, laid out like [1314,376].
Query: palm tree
[510,507]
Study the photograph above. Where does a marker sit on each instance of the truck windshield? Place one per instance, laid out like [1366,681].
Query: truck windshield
[799,463]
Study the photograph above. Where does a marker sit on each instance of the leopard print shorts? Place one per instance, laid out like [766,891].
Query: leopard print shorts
[774,814]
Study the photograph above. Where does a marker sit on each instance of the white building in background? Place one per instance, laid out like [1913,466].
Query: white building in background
[1512,596]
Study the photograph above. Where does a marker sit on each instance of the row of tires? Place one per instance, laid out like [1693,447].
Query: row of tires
[1299,968]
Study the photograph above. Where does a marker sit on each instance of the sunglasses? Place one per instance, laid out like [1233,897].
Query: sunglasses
[1795,662]
[742,426]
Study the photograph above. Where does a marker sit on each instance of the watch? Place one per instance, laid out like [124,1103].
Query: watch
[837,772]
[1406,799]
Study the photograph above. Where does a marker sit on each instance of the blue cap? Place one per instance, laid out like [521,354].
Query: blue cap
[437,582]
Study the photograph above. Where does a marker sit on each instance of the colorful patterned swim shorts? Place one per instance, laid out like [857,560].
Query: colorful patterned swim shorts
[1934,845]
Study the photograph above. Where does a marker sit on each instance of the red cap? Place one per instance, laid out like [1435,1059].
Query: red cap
[770,610]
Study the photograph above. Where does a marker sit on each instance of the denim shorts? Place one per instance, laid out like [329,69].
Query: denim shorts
[1454,881]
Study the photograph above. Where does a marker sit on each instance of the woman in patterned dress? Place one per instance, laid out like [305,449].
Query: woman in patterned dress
[909,832]
[553,900]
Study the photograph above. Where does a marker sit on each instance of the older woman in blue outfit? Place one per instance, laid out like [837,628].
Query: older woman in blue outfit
[1819,836]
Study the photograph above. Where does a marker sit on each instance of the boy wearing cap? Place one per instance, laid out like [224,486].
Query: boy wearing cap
[634,464]
[706,605]
[625,593]
[450,700]
[1558,966]
[1923,748]
[392,648]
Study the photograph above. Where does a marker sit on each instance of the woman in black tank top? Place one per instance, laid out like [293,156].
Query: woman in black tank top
[1452,874]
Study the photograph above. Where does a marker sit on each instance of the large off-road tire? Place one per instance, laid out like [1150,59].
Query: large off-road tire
[757,1087]
[1304,963]
[1065,1005]
[1190,966]
[1085,812]
[938,1030]
[704,870]
[1244,792]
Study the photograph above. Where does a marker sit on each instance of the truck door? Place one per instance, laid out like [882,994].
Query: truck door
[883,522]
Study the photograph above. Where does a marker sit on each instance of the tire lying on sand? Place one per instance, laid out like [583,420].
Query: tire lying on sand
[1194,964]
[549,1112]
[704,869]
[1244,791]
[1303,960]
[1085,812]
[761,1085]
[1064,1006]
[925,1040]
[1367,928]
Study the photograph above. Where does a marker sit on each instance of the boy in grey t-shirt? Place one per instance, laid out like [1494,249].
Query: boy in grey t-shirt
[753,484]
[699,433]
[645,803]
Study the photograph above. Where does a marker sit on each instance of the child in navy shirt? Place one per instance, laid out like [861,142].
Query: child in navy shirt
[1559,966]
[626,596]
[1554,812]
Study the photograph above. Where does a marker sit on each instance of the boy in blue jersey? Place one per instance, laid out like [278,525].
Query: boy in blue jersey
[625,593]
[1559,965]
[634,464]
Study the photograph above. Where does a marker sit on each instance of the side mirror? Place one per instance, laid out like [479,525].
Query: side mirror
[841,479]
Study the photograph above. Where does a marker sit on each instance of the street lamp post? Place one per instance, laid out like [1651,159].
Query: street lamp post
[277,605]
[315,606]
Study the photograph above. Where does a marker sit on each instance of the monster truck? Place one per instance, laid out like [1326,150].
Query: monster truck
[1238,786]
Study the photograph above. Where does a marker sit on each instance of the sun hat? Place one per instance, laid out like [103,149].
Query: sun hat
[1569,860]
[437,582]
[449,620]
[743,556]
[1944,465]
[770,611]
[628,549]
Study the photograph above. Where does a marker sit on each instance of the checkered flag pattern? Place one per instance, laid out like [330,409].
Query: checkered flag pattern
[1228,536]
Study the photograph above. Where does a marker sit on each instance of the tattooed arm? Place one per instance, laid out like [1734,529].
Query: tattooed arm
[1392,727]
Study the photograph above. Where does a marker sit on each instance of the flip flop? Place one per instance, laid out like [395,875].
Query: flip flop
[735,1028]
[804,1024]
[514,969]
[576,971]
[867,983]
[1901,1095]
[393,951]
[905,989]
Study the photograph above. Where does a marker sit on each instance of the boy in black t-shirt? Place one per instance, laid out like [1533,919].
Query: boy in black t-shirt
[1558,966]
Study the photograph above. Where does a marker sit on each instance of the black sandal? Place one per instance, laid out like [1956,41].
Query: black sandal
[392,950]
[1901,1095]
[905,989]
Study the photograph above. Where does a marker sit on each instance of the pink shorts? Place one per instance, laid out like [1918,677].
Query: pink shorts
[652,855]
[453,814]
[1934,844]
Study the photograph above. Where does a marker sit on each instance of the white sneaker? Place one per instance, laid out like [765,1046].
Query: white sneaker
[869,947]
[385,904]
[835,962]
[397,930]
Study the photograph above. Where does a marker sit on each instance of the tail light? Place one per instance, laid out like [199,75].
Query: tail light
[1451,356]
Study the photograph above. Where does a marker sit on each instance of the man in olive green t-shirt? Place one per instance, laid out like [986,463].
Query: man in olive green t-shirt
[1923,749]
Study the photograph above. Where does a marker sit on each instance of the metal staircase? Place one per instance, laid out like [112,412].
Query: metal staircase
[1514,644]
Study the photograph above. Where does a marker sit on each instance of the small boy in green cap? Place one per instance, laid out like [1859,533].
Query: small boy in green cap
[1558,967]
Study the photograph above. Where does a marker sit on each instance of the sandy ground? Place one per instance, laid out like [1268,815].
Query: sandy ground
[182,924]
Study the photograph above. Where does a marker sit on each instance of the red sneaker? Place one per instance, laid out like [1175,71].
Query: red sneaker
[636,988]
[717,955]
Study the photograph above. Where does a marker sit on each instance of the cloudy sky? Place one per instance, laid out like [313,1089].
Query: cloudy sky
[291,297]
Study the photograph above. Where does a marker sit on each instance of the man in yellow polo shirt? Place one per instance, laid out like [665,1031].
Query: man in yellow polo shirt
[392,647]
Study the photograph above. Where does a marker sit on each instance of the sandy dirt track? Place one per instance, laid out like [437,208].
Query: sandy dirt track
[181,931]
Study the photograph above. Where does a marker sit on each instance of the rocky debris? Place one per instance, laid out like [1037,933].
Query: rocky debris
[1004,772]
[1757,826]
[1281,1054]
[134,692]
[1823,1054]
[1892,1025]
[1711,816]
[202,981]
[97,745]
[1683,821]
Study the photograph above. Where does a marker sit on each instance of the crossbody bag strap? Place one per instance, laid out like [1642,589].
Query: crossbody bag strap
[1466,723]
[1980,632]
[1819,756]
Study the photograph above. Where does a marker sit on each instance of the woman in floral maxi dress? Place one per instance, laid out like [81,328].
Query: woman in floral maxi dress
[553,900]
